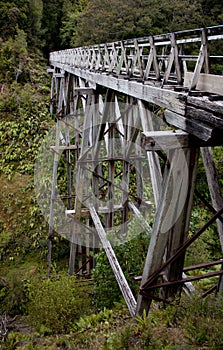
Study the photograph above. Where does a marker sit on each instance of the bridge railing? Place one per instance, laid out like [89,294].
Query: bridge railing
[161,59]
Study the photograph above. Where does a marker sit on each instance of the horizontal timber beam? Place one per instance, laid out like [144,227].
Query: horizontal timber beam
[172,139]
[200,130]
[164,140]
[62,148]
[83,91]
[58,75]
[169,99]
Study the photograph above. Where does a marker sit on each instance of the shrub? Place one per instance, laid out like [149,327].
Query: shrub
[200,319]
[14,295]
[55,304]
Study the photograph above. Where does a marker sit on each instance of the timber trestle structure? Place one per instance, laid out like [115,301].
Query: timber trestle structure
[133,115]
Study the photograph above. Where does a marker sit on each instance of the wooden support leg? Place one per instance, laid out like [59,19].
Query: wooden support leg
[178,234]
[52,199]
[172,212]
[73,250]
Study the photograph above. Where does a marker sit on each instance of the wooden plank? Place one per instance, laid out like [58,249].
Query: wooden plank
[137,59]
[154,55]
[169,66]
[58,75]
[123,50]
[62,148]
[205,103]
[201,115]
[197,69]
[200,130]
[164,140]
[83,91]
[206,82]
[50,70]
[119,275]
[176,58]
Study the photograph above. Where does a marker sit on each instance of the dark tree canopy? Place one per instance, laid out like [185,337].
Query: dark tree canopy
[57,24]
[111,20]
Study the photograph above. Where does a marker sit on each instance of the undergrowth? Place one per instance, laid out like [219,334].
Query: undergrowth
[193,323]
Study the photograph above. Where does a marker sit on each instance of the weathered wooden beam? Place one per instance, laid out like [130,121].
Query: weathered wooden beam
[153,159]
[178,234]
[62,148]
[144,224]
[83,91]
[210,103]
[206,82]
[58,75]
[162,97]
[200,130]
[50,70]
[201,115]
[101,210]
[164,140]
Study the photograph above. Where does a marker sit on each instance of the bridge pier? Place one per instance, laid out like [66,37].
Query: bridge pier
[117,109]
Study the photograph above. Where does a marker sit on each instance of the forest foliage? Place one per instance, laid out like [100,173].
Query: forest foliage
[56,24]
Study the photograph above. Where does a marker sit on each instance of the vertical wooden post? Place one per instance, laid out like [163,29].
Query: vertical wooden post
[52,198]
[153,160]
[178,234]
[111,166]
[88,267]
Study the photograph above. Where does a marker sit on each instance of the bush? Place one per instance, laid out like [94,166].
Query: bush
[131,256]
[56,304]
[14,295]
[200,319]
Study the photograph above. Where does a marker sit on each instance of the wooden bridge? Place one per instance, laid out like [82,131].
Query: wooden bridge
[123,109]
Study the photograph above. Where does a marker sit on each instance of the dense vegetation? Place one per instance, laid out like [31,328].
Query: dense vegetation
[61,313]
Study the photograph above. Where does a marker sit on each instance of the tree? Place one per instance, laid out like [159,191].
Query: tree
[51,24]
[34,23]
[181,15]
[10,18]
[71,11]
[110,20]
[212,12]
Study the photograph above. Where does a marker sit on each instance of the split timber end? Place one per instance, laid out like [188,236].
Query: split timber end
[164,140]
[206,132]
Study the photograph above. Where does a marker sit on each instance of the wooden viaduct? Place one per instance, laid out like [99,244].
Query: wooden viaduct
[120,108]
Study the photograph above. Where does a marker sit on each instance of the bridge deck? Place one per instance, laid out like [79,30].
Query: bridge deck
[172,71]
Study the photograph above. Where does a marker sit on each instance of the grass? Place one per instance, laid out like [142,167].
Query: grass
[194,323]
